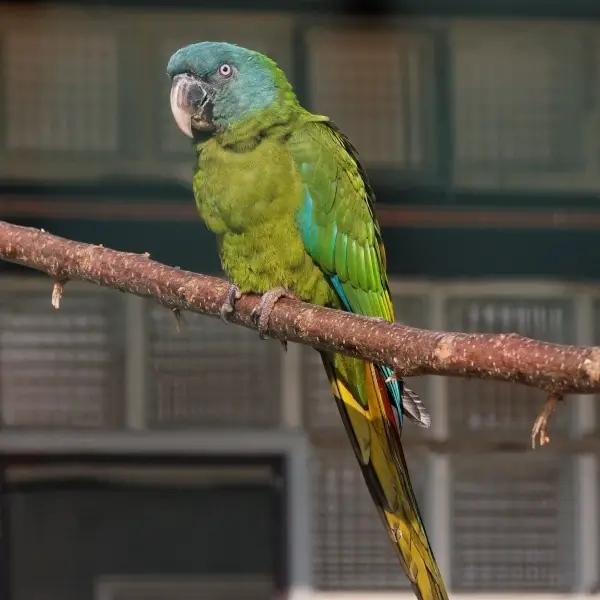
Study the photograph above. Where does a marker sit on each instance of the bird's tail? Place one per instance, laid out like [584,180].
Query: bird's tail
[364,404]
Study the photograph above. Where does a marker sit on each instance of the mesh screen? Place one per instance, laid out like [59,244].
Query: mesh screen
[320,409]
[352,550]
[384,111]
[270,37]
[496,406]
[512,523]
[515,97]
[60,368]
[212,374]
[68,77]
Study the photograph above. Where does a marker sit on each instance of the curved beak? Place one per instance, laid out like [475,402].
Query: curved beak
[191,105]
[180,103]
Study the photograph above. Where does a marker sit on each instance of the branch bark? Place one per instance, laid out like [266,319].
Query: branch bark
[555,368]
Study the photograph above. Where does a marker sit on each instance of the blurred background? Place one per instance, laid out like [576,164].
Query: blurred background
[142,463]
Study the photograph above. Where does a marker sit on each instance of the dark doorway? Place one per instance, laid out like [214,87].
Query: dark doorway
[121,528]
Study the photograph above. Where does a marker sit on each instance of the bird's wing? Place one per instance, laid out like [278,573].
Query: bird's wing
[340,232]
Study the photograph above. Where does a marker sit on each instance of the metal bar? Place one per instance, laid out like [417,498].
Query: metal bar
[498,287]
[475,443]
[291,388]
[169,443]
[494,287]
[585,480]
[136,362]
[300,522]
[438,485]
[25,441]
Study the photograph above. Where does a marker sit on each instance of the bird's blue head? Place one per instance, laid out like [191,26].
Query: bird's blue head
[215,85]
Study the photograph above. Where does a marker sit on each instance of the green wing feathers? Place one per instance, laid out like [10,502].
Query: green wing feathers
[340,232]
[337,220]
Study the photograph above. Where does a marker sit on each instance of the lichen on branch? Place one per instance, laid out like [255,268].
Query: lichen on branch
[555,368]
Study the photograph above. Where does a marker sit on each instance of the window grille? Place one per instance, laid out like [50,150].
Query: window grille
[71,79]
[384,112]
[212,374]
[516,97]
[498,407]
[60,368]
[512,523]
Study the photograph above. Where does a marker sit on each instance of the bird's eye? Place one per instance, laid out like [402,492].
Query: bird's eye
[225,70]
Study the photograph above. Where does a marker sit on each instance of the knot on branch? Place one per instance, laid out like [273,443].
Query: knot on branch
[444,350]
[591,365]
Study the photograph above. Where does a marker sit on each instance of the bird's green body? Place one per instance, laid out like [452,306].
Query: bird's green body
[259,243]
[291,207]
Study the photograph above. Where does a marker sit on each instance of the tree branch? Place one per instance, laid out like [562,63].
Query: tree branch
[554,368]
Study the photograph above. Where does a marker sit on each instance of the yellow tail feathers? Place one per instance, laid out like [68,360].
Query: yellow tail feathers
[364,405]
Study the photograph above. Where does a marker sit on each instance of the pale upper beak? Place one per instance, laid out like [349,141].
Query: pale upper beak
[187,97]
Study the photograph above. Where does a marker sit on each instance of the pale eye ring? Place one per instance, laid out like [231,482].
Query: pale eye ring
[225,70]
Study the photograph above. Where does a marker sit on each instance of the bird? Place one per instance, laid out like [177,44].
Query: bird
[292,210]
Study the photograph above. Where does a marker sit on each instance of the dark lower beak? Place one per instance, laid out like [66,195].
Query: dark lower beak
[190,105]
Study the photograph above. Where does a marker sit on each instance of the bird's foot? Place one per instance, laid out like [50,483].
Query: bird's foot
[233,295]
[540,425]
[262,311]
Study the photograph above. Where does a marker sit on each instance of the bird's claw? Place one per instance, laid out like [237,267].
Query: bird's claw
[540,425]
[262,311]
[233,295]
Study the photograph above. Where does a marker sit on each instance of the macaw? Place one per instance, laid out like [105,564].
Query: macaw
[292,210]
